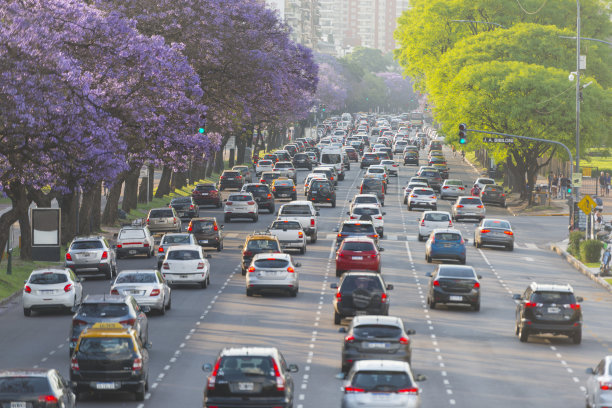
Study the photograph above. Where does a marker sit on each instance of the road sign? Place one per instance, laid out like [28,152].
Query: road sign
[587,204]
[577,179]
[144,172]
[498,139]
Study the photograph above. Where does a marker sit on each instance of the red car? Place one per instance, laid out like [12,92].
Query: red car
[352,154]
[358,253]
[206,194]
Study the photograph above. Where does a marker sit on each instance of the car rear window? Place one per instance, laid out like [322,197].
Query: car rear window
[257,189]
[284,165]
[131,233]
[271,263]
[370,156]
[48,278]
[181,200]
[262,245]
[490,187]
[372,283]
[106,345]
[290,225]
[453,183]
[240,366]
[366,200]
[206,188]
[486,181]
[183,255]
[447,236]
[358,246]
[372,182]
[375,170]
[496,224]
[377,331]
[358,228]
[177,239]
[136,278]
[87,245]
[559,298]
[429,173]
[422,191]
[239,197]
[456,273]
[366,211]
[284,183]
[436,217]
[24,385]
[296,209]
[231,173]
[265,162]
[300,156]
[104,309]
[470,200]
[161,214]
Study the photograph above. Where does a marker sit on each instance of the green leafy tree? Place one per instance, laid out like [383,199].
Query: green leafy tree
[370,59]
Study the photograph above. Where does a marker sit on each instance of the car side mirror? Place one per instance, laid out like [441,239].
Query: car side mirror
[389,287]
[148,345]
[297,265]
[419,378]
[479,276]
[145,309]
[384,213]
[225,199]
[208,256]
[428,274]
[590,371]
[517,297]
[342,330]
[222,226]
[348,213]
[410,331]
[115,235]
[317,213]
[333,286]
[293,368]
[206,367]
[579,299]
[381,249]
[466,240]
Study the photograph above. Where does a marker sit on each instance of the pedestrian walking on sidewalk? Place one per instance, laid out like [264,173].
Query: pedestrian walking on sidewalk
[607,184]
[602,183]
[562,186]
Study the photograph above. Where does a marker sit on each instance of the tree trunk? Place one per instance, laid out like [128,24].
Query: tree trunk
[67,204]
[163,188]
[151,181]
[210,164]
[219,161]
[96,207]
[142,190]
[241,147]
[109,216]
[6,220]
[85,213]
[179,180]
[130,191]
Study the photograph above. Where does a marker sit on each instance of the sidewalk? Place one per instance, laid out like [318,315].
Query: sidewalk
[591,273]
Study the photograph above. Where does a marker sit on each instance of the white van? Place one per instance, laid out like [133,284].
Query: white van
[333,156]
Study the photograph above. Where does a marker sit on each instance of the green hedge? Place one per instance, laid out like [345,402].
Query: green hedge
[590,250]
[574,243]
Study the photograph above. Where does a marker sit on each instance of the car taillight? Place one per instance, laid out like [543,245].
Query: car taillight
[450,223]
[461,188]
[147,221]
[173,220]
[247,253]
[146,244]
[166,265]
[228,203]
[459,206]
[412,195]
[531,304]
[27,289]
[444,188]
[293,188]
[300,234]
[338,296]
[574,306]
[432,197]
[422,223]
[476,285]
[68,287]
[200,265]
[128,322]
[74,364]
[68,256]
[436,283]
[508,232]
[119,246]
[383,298]
[210,384]
[104,255]
[408,391]
[154,292]
[290,269]
[160,250]
[238,177]
[269,195]
[137,364]
[280,381]
[373,236]
[251,269]
[263,181]
[114,292]
[479,206]
[191,206]
[484,231]
[352,390]
[349,339]
[606,386]
[378,218]
[273,188]
[251,202]
[312,222]
[404,340]
[215,228]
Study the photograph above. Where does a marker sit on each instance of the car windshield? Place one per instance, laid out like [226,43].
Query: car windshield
[262,245]
[358,246]
[350,283]
[104,309]
[106,345]
[271,263]
[296,209]
[496,224]
[376,331]
[48,278]
[161,213]
[24,385]
[136,278]
[131,233]
[436,217]
[176,239]
[289,225]
[87,245]
[447,236]
[181,200]
[239,197]
[183,255]
[257,189]
[358,228]
[366,211]
[456,273]
[231,366]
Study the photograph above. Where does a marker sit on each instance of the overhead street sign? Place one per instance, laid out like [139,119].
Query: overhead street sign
[587,204]
[498,139]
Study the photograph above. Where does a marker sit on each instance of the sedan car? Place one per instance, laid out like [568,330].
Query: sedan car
[48,289]
[454,284]
[35,387]
[147,286]
[468,207]
[186,264]
[373,186]
[431,220]
[494,232]
[241,205]
[411,186]
[423,198]
[358,253]
[381,383]
[599,384]
[452,188]
[273,272]
[172,239]
[375,338]
[92,254]
[445,243]
[360,293]
[494,194]
[284,188]
[245,171]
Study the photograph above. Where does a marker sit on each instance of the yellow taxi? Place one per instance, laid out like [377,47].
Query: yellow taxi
[258,243]
[109,357]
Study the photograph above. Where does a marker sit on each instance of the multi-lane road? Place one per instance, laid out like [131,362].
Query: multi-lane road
[471,359]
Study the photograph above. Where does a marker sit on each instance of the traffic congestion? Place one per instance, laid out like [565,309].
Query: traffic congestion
[370,266]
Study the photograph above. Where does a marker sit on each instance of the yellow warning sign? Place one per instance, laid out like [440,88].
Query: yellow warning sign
[587,204]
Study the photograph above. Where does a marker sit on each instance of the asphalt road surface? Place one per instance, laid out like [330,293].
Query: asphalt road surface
[471,359]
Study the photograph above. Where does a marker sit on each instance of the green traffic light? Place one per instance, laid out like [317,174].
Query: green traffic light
[569,190]
[462,140]
[201,130]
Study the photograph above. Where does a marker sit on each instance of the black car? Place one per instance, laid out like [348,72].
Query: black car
[494,194]
[231,179]
[207,194]
[360,293]
[292,149]
[434,179]
[302,160]
[185,207]
[207,232]
[109,308]
[548,308]
[356,228]
[249,377]
[369,159]
[321,191]
[35,387]
[284,188]
[411,157]
[456,284]
[262,194]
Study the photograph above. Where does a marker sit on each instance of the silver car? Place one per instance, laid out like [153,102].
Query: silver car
[381,384]
[599,384]
[272,271]
[133,240]
[452,189]
[241,205]
[468,207]
[147,286]
[494,232]
[422,197]
[91,255]
[163,220]
[172,239]
[364,199]
[411,186]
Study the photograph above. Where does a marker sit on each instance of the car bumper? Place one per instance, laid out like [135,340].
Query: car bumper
[50,302]
[258,402]
[185,278]
[230,184]
[207,200]
[440,296]
[552,328]
[496,240]
[164,228]
[209,242]
[349,265]
[372,400]
[350,356]
[102,268]
[154,302]
[425,204]
[351,311]
[469,214]
[132,251]
[293,244]
[447,253]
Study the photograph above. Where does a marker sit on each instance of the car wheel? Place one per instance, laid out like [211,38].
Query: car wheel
[109,274]
[338,273]
[140,394]
[476,307]
[510,247]
[249,292]
[294,292]
[27,311]
[302,250]
[226,218]
[409,208]
[420,237]
[577,337]
[337,318]
[432,304]
[169,305]
[428,258]
[204,284]
[523,335]
[150,253]
[313,238]
[162,310]
[405,200]
[477,244]
[333,204]
[462,261]
[256,218]
[243,272]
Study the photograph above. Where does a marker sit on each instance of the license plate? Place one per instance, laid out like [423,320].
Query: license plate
[184,276]
[18,404]
[360,313]
[357,258]
[105,386]
[47,292]
[245,386]
[271,273]
[182,214]
[135,292]
[553,310]
[448,245]
[203,241]
[204,194]
[85,254]
[376,345]
[456,298]
[132,251]
[231,178]
[380,396]
[284,195]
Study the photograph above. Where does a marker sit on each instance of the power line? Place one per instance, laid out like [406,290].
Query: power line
[531,12]
[556,96]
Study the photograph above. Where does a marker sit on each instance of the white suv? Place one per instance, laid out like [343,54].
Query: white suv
[422,197]
[430,220]
[241,205]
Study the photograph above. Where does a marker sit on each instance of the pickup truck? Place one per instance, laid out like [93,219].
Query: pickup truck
[286,169]
[303,212]
[290,234]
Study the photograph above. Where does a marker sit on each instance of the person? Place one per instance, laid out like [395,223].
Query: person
[554,189]
[607,184]
[602,182]
[562,186]
[454,150]
[463,154]
[475,190]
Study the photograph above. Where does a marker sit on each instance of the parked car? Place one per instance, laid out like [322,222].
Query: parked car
[241,205]
[163,220]
[185,207]
[51,289]
[206,194]
[207,232]
[360,293]
[91,255]
[358,253]
[454,284]
[445,243]
[492,231]
[24,387]
[273,272]
[468,207]
[147,286]
[284,188]
[186,264]
[173,239]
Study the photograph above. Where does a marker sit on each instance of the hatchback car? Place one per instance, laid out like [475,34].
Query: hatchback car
[494,232]
[246,173]
[445,243]
[161,220]
[186,264]
[481,182]
[369,212]
[364,199]
[302,160]
[352,154]
[454,284]
[35,387]
[207,232]
[264,165]
[284,188]
[494,194]
[369,159]
[51,289]
[92,254]
[231,179]
[422,197]
[599,384]
[206,194]
[358,253]
[468,207]
[360,293]
[373,186]
[375,338]
[411,186]
[241,205]
[185,207]
[133,240]
[258,243]
[431,220]
[411,157]
[548,308]
[249,376]
[147,286]
[321,191]
[272,272]
[172,239]
[452,188]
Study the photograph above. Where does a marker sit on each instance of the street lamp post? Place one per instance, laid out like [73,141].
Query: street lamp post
[577,189]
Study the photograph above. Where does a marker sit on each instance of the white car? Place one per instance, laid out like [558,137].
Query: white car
[390,166]
[264,165]
[147,286]
[272,271]
[412,185]
[241,205]
[365,199]
[422,197]
[50,288]
[369,212]
[452,189]
[599,384]
[482,181]
[378,171]
[430,220]
[186,264]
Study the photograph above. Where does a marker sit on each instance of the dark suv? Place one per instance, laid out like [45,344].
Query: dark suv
[368,159]
[249,377]
[231,179]
[375,186]
[112,309]
[207,232]
[207,194]
[321,191]
[262,194]
[35,387]
[284,188]
[494,194]
[360,293]
[302,160]
[548,308]
[185,207]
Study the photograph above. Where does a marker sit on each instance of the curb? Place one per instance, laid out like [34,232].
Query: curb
[580,267]
[5,301]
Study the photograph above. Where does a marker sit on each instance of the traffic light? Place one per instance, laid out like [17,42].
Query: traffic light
[426,107]
[323,107]
[462,133]
[569,189]
[202,128]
